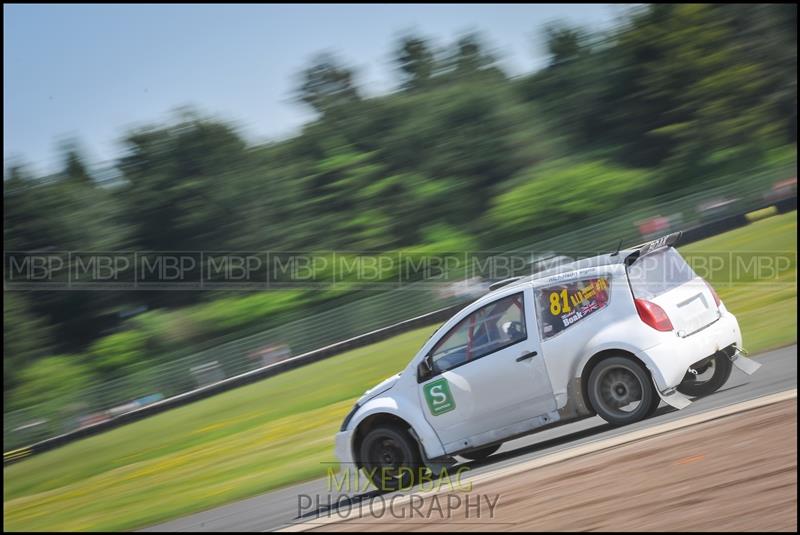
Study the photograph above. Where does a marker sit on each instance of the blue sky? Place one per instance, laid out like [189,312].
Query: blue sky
[91,71]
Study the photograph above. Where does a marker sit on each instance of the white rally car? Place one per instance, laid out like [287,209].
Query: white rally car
[611,335]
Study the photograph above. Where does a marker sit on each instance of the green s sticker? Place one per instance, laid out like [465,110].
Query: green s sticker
[438,396]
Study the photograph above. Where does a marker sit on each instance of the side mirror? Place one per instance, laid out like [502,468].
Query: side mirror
[425,368]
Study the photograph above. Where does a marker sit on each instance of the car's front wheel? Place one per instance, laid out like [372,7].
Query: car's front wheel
[391,459]
[621,392]
[707,378]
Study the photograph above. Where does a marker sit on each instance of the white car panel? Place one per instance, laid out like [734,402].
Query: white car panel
[401,401]
[493,392]
[690,306]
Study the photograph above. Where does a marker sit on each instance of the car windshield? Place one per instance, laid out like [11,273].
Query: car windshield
[659,272]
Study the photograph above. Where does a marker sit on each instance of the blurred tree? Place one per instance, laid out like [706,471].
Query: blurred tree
[405,205]
[466,139]
[54,381]
[563,193]
[767,33]
[470,55]
[181,192]
[26,338]
[74,167]
[678,86]
[704,96]
[416,62]
[572,88]
[25,225]
[57,215]
[116,355]
[330,194]
[326,84]
[564,43]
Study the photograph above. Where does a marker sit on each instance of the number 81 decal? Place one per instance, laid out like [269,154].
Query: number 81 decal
[556,299]
[564,304]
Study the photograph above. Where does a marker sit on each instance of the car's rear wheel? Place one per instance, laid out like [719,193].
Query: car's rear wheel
[391,458]
[621,392]
[708,377]
[480,453]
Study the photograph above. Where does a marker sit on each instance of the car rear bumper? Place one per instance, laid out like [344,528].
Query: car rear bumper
[674,355]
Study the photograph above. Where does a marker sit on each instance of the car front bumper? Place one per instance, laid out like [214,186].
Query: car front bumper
[344,451]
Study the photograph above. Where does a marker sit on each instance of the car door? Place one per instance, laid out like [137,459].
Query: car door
[488,379]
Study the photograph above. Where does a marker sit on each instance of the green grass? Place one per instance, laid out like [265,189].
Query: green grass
[236,444]
[279,431]
[765,305]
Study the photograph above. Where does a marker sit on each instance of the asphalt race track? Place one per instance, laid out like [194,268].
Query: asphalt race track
[279,508]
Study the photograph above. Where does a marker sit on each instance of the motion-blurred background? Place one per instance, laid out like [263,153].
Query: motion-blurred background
[659,118]
[458,155]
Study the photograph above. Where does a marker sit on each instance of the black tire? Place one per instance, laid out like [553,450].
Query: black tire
[481,453]
[696,386]
[391,450]
[654,405]
[621,391]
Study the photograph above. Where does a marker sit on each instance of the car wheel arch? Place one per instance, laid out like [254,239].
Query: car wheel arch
[598,357]
[377,419]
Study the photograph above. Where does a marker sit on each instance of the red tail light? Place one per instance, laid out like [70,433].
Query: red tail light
[717,300]
[653,315]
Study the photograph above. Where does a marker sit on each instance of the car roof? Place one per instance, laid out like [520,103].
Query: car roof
[627,255]
[590,262]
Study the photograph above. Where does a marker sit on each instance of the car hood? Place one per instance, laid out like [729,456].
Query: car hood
[380,388]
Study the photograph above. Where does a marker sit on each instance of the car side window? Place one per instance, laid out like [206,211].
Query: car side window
[562,305]
[488,329]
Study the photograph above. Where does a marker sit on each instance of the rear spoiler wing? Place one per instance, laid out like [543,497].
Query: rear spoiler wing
[648,247]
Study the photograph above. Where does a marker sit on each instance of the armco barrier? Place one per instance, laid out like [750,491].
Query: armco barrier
[690,235]
[713,228]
